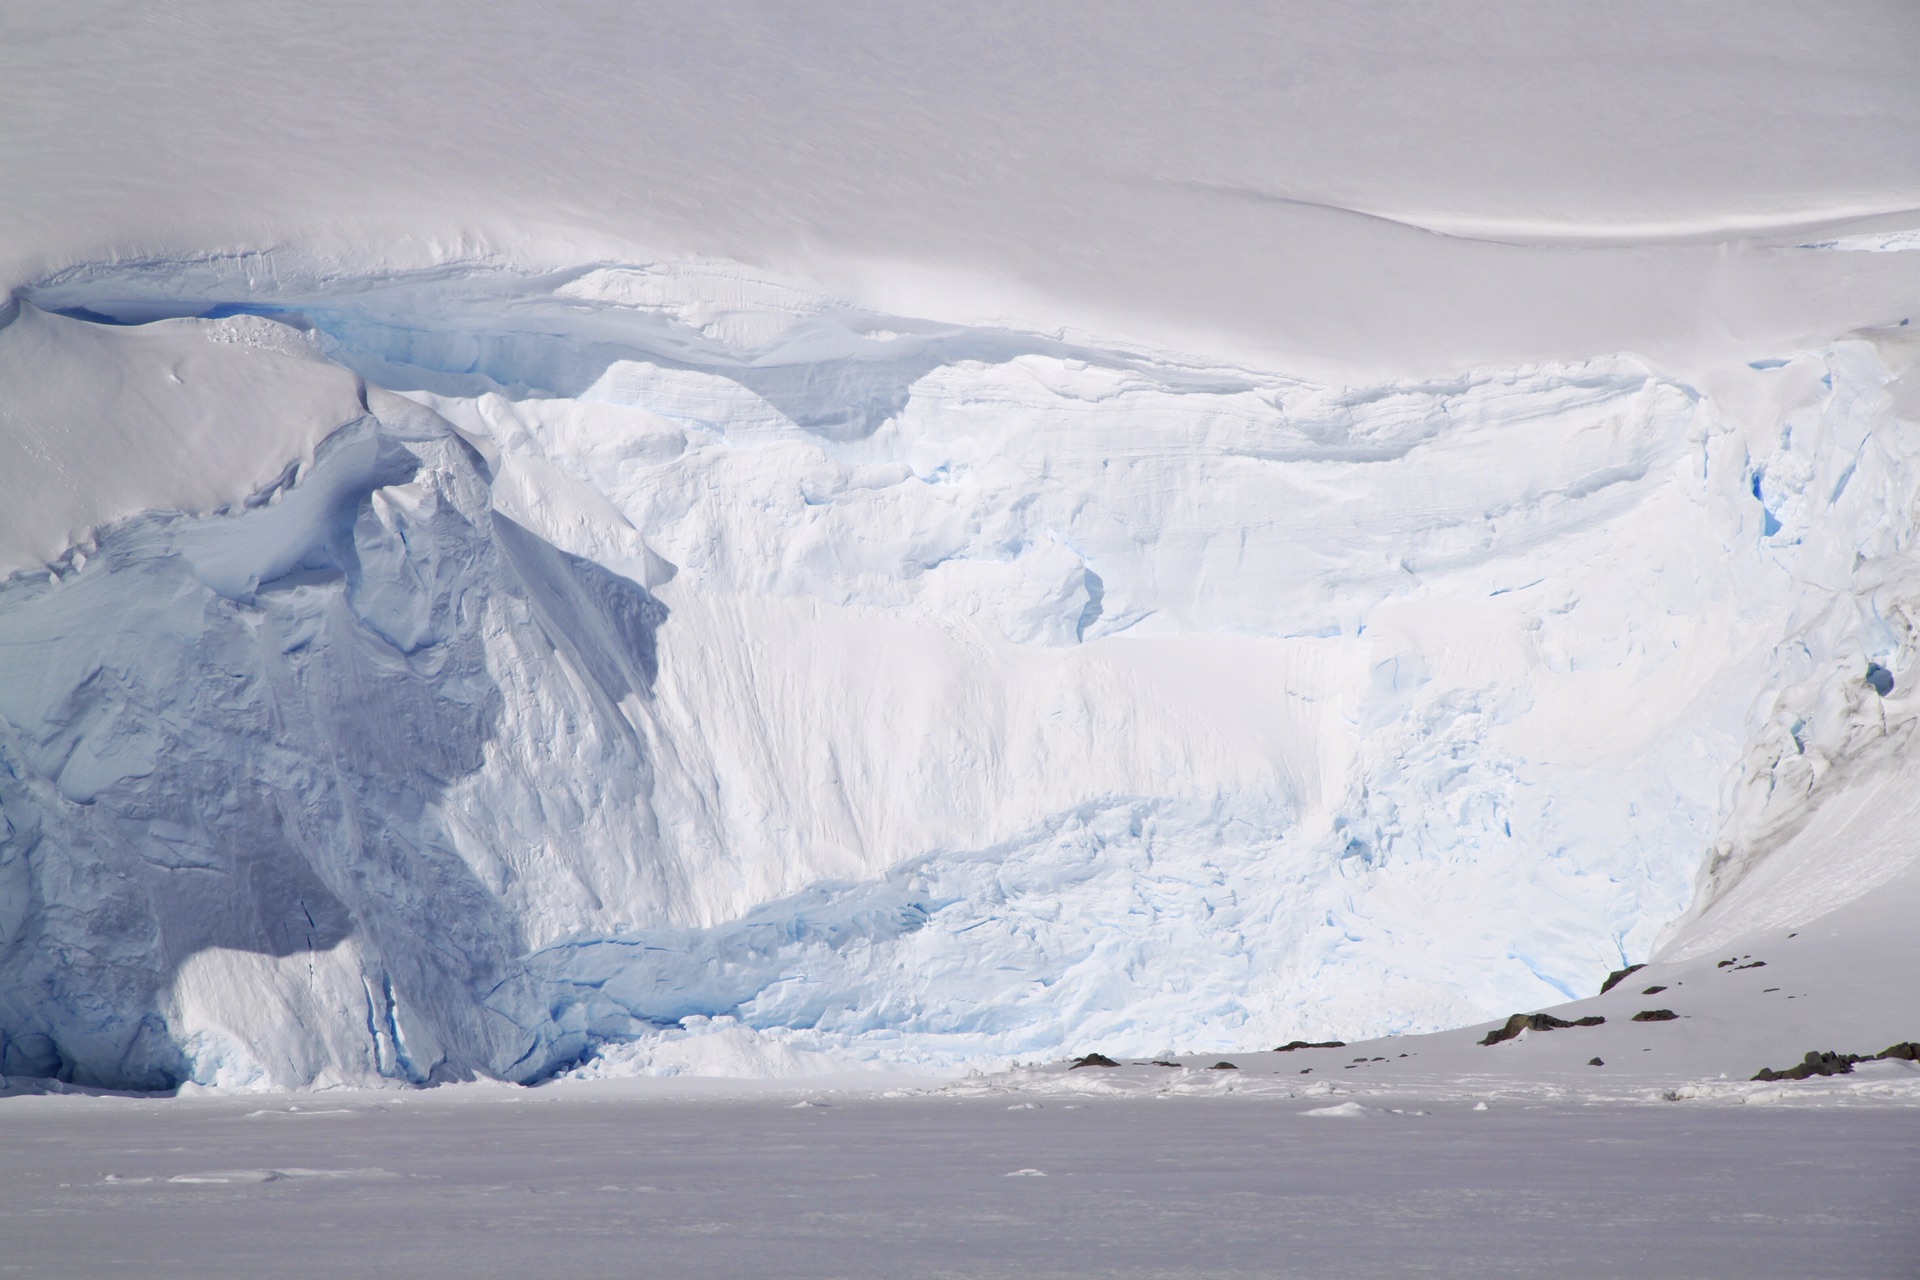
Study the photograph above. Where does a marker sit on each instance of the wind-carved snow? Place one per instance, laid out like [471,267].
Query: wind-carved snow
[95,421]
[666,658]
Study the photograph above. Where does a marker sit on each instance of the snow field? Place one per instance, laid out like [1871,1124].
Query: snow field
[819,1184]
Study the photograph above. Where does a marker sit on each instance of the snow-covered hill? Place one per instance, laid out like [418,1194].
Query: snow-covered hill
[675,667]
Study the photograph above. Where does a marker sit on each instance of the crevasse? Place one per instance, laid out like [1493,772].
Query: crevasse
[666,668]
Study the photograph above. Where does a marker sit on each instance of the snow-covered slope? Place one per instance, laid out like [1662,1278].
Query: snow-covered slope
[99,424]
[1394,189]
[1813,954]
[676,665]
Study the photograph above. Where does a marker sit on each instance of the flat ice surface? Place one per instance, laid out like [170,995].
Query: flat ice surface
[841,1185]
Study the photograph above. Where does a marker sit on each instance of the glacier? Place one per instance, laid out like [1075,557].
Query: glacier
[638,668]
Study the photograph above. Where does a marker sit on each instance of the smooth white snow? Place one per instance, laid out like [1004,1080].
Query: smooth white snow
[100,423]
[1375,188]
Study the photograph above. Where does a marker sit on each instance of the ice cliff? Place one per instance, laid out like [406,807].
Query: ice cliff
[467,673]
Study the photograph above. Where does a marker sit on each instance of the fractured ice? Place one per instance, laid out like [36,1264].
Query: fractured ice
[647,656]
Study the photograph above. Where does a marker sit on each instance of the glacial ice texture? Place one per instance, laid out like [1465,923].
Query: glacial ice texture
[668,668]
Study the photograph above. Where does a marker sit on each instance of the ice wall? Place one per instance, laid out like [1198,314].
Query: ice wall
[224,747]
[668,657]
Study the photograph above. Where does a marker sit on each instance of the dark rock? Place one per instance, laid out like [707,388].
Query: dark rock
[1093,1060]
[1223,1066]
[1614,979]
[1757,964]
[1161,1062]
[1537,1022]
[1655,1015]
[1653,991]
[1721,964]
[1291,1045]
[1830,1063]
[1595,1062]
[1815,1064]
[1514,1026]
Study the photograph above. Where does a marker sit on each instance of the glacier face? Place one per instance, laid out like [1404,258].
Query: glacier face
[230,737]
[669,657]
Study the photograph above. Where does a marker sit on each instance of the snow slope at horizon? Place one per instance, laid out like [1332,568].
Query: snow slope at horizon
[692,658]
[1380,190]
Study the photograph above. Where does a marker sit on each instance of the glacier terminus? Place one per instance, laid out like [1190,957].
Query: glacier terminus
[606,672]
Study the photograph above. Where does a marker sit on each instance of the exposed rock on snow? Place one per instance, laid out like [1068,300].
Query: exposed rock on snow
[1618,976]
[1829,1063]
[1537,1022]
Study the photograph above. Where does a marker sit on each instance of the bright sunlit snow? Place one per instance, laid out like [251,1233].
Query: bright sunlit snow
[978,639]
[670,655]
[740,541]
